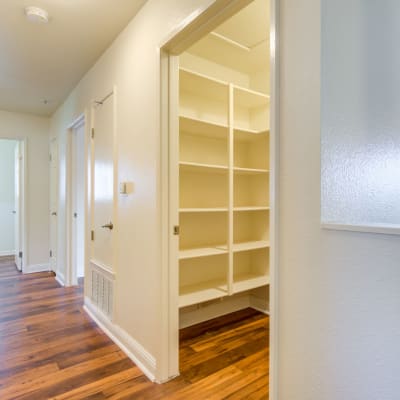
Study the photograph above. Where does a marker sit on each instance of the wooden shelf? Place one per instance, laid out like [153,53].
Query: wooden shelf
[202,252]
[249,281]
[250,98]
[198,167]
[255,208]
[199,293]
[243,133]
[200,127]
[203,210]
[250,171]
[203,85]
[245,246]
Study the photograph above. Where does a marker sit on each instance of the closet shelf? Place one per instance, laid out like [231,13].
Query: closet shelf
[245,134]
[203,209]
[203,85]
[249,281]
[205,291]
[251,208]
[202,252]
[198,167]
[250,171]
[250,98]
[202,127]
[244,246]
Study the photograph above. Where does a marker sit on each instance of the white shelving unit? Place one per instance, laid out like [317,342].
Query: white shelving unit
[223,188]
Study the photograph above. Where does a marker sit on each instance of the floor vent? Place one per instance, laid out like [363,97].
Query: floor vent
[102,292]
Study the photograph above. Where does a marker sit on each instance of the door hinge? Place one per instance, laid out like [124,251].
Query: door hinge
[50,158]
[20,254]
[176,229]
[92,133]
[51,254]
[92,235]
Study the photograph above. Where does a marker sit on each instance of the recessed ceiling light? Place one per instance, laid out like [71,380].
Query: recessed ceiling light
[36,15]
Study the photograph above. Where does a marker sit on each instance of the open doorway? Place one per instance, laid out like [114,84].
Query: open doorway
[76,200]
[219,86]
[12,205]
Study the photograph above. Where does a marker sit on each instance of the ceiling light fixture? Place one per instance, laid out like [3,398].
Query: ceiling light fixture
[36,15]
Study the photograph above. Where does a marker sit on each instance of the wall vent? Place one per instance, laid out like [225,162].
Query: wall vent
[102,292]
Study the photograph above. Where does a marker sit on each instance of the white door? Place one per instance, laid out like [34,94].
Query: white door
[77,202]
[53,203]
[103,185]
[18,206]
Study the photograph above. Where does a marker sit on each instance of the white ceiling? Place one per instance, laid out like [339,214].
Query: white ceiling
[39,62]
[248,28]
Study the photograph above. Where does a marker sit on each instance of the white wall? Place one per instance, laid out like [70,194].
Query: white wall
[339,329]
[7,197]
[132,63]
[35,131]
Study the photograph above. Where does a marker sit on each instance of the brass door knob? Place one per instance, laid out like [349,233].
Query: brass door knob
[110,226]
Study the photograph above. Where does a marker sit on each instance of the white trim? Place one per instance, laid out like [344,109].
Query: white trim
[82,119]
[60,278]
[4,253]
[274,201]
[193,315]
[133,349]
[30,269]
[386,229]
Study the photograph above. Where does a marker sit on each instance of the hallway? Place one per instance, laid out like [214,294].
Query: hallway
[50,348]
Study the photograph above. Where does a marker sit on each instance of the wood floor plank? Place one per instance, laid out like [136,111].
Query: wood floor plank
[51,349]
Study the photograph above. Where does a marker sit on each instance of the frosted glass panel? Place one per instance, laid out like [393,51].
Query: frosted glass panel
[360,112]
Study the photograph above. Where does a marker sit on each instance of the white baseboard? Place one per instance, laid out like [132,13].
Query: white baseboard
[4,253]
[60,278]
[134,350]
[204,311]
[259,304]
[30,269]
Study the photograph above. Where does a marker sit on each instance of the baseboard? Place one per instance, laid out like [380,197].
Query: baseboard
[60,278]
[204,311]
[4,253]
[134,350]
[30,269]
[259,304]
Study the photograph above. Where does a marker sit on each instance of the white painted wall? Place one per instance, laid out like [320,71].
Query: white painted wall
[35,131]
[339,329]
[7,197]
[132,63]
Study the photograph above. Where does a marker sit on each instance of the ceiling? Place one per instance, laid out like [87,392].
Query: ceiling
[42,63]
[248,29]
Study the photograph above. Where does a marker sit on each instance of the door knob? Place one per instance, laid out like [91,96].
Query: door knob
[110,226]
[14,212]
[54,213]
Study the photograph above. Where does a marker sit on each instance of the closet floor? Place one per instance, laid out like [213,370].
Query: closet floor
[50,349]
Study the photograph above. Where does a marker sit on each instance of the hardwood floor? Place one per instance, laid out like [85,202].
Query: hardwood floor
[50,349]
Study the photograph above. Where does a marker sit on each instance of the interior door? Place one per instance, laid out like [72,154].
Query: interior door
[53,203]
[17,206]
[103,185]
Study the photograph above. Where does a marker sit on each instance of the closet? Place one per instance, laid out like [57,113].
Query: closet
[224,168]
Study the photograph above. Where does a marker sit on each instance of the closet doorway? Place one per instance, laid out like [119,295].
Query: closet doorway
[76,198]
[219,132]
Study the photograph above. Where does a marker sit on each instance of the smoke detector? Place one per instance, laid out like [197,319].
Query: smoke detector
[37,15]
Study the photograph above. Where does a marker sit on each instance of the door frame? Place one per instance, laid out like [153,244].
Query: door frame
[54,141]
[70,272]
[183,36]
[23,141]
